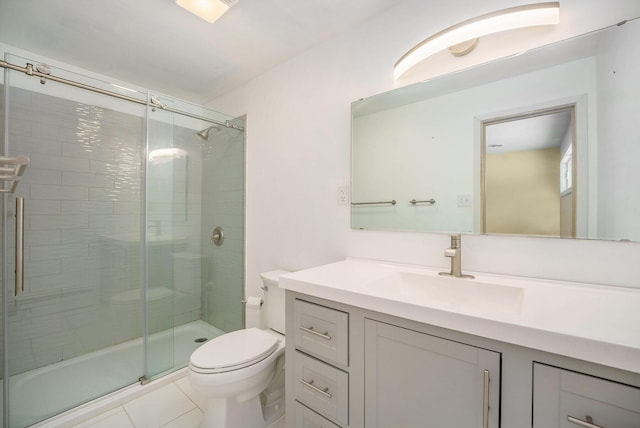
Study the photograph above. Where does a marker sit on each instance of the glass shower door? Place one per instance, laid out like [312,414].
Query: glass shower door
[195,182]
[74,333]
[165,168]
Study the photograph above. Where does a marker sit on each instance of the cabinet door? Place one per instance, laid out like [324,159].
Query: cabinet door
[566,399]
[413,379]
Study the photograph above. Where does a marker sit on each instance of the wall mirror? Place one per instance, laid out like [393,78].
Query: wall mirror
[545,143]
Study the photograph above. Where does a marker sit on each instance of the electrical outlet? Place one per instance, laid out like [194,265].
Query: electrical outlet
[343,195]
[464,200]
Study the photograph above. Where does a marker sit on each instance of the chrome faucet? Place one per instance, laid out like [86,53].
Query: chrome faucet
[455,253]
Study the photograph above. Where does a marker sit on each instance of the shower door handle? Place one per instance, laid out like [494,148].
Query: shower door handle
[19,246]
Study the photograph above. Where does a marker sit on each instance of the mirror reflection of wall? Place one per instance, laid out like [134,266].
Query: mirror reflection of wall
[425,141]
[528,175]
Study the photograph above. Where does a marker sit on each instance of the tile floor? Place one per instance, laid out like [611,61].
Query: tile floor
[174,405]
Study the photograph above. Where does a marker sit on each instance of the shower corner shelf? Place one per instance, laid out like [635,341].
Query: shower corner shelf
[11,169]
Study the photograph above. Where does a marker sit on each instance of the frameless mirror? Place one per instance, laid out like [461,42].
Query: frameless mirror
[541,144]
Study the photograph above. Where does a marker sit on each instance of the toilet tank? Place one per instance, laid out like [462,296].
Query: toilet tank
[274,300]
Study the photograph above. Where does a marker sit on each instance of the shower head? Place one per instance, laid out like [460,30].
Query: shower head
[204,134]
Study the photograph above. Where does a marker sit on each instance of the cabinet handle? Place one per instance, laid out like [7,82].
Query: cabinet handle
[310,384]
[485,400]
[586,424]
[324,335]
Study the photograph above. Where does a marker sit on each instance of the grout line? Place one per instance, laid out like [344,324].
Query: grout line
[195,406]
[128,416]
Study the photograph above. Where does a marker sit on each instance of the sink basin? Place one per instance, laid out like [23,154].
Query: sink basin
[448,292]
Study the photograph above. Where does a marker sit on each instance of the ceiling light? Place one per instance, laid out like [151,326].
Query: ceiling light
[506,19]
[209,10]
[159,156]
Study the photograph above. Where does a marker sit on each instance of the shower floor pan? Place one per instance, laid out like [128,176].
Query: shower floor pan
[44,392]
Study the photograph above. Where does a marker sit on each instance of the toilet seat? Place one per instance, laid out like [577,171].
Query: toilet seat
[233,351]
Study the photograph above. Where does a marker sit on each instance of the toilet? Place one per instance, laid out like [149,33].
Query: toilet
[241,374]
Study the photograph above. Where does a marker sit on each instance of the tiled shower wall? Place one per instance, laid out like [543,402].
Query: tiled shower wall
[83,214]
[223,202]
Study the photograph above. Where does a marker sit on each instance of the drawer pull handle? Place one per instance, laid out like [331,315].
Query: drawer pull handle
[586,424]
[485,399]
[324,335]
[310,384]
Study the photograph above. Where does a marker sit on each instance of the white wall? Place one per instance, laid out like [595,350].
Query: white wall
[298,151]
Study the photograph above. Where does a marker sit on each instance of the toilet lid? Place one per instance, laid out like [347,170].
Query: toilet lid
[234,350]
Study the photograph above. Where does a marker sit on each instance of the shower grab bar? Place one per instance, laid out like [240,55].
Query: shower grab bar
[427,201]
[19,246]
[391,202]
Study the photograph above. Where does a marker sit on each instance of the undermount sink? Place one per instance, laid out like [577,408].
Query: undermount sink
[448,292]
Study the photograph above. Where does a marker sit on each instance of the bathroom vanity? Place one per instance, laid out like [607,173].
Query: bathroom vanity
[379,344]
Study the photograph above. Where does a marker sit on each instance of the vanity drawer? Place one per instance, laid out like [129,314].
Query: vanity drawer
[563,398]
[321,331]
[322,387]
[307,418]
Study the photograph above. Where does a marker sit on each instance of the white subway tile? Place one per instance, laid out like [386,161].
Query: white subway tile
[19,126]
[99,194]
[88,150]
[86,207]
[41,207]
[59,251]
[28,144]
[41,176]
[60,163]
[40,222]
[56,192]
[127,208]
[41,268]
[86,179]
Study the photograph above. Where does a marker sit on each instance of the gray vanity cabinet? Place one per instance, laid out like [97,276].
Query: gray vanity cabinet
[414,379]
[566,399]
[349,367]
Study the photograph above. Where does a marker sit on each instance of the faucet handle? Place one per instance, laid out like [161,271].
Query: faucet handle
[455,240]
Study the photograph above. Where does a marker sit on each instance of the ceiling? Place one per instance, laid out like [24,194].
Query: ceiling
[158,45]
[531,133]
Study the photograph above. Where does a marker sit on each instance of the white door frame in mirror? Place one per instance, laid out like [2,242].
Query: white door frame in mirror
[578,108]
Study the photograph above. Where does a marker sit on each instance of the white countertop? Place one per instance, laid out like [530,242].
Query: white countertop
[595,323]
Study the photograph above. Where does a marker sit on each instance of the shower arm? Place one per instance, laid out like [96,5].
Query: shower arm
[154,102]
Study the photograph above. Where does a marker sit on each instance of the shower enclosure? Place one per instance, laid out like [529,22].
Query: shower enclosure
[120,278]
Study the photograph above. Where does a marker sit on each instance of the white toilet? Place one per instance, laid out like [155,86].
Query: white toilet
[241,374]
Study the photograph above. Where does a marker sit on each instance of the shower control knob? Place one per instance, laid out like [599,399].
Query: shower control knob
[217,237]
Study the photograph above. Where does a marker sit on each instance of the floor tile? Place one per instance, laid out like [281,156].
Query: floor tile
[158,407]
[116,418]
[188,420]
[186,387]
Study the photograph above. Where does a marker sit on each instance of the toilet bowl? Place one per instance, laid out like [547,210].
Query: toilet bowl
[240,375]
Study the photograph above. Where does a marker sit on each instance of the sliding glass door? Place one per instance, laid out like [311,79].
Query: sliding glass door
[74,327]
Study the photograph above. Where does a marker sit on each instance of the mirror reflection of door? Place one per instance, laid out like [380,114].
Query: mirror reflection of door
[528,174]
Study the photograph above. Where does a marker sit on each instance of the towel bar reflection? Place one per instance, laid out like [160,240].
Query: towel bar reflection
[391,202]
[427,201]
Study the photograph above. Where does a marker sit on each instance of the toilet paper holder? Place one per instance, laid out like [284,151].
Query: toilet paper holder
[244,308]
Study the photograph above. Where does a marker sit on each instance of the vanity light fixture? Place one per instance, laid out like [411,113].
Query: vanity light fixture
[209,10]
[462,38]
